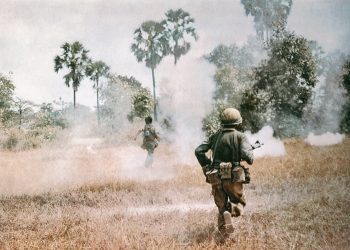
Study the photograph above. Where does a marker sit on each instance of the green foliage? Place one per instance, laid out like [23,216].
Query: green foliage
[231,83]
[211,123]
[117,101]
[233,78]
[284,82]
[274,92]
[150,44]
[179,28]
[96,70]
[15,139]
[269,15]
[254,118]
[75,59]
[345,122]
[23,110]
[41,127]
[6,98]
[234,75]
[319,56]
[142,104]
[231,55]
[48,116]
[128,81]
[155,40]
[346,76]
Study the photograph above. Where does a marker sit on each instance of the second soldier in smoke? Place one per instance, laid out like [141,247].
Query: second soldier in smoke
[224,172]
[150,140]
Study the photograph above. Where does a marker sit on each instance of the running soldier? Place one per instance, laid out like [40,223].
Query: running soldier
[150,140]
[224,172]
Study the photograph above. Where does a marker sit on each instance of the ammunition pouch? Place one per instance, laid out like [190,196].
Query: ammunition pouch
[213,177]
[238,174]
[225,170]
[247,175]
[235,172]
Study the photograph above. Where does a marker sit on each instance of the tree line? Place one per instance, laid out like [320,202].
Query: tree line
[273,78]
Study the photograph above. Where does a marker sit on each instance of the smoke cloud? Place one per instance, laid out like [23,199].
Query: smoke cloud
[186,97]
[272,146]
[325,139]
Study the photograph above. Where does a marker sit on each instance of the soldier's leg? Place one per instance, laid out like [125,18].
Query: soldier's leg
[236,195]
[220,199]
[149,159]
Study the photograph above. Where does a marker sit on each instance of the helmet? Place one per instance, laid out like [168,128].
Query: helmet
[231,116]
[148,120]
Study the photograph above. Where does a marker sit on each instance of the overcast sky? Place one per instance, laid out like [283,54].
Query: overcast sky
[32,31]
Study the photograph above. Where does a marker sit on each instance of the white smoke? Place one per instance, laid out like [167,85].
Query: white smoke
[328,99]
[325,139]
[131,164]
[272,146]
[186,96]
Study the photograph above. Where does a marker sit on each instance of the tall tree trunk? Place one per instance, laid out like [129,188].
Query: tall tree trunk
[74,97]
[97,104]
[154,96]
[20,118]
[175,51]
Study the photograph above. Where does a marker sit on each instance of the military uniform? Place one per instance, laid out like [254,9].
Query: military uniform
[149,143]
[230,146]
[150,138]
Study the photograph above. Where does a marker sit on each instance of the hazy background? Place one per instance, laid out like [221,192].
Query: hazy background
[32,32]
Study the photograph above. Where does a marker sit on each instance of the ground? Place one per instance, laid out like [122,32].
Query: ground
[86,198]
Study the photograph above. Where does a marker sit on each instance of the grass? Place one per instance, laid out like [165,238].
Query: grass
[298,201]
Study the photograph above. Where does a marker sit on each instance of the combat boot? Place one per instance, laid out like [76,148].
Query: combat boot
[236,209]
[228,227]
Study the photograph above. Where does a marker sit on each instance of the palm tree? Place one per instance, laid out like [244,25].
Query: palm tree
[179,27]
[150,46]
[96,70]
[74,58]
[269,15]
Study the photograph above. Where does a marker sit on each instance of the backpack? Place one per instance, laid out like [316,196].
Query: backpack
[146,133]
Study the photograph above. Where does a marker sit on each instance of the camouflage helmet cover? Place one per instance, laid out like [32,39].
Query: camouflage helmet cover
[231,116]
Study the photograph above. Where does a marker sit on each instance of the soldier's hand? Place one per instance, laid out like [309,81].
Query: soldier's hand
[205,169]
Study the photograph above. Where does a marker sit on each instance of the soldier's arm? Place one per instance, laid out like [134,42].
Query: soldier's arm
[138,132]
[246,150]
[200,153]
[156,135]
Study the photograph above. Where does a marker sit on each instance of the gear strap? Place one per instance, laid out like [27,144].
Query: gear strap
[237,148]
[216,144]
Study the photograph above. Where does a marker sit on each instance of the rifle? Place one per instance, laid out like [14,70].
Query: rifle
[257,144]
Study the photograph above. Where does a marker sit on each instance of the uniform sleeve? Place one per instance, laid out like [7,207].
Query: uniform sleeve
[246,150]
[200,153]
[155,134]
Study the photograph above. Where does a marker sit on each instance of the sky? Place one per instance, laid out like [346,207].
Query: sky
[32,31]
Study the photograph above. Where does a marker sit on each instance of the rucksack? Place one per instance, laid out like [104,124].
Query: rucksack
[146,133]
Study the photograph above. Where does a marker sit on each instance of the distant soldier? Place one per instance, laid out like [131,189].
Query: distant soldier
[224,172]
[150,140]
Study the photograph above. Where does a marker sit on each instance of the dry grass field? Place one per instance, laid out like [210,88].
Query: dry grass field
[85,198]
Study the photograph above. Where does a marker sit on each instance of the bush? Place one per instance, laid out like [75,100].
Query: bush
[15,139]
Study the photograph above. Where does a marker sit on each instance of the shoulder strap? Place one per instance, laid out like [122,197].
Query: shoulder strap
[216,144]
[237,147]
